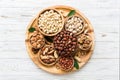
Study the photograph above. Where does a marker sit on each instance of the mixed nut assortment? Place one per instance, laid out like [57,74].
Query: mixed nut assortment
[66,38]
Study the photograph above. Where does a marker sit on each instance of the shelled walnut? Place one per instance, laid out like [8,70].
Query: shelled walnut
[48,56]
[65,43]
[37,40]
[85,41]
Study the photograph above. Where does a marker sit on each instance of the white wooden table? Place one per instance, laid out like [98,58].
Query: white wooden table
[15,63]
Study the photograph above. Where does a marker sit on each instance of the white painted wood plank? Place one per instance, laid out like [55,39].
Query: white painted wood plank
[44,3]
[96,69]
[15,63]
[17,33]
[24,14]
[54,77]
[19,36]
[18,50]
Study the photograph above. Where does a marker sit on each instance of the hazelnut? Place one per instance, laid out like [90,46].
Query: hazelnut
[66,63]
[65,45]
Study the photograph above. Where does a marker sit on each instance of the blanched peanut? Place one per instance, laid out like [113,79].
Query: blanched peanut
[74,24]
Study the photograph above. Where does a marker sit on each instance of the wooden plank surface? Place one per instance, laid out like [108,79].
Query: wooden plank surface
[15,63]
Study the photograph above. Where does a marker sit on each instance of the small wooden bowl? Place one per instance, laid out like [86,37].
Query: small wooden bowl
[40,52]
[78,17]
[68,70]
[59,28]
[89,44]
[41,44]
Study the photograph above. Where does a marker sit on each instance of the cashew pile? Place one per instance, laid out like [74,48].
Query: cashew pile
[50,22]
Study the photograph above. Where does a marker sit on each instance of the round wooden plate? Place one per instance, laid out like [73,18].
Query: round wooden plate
[53,69]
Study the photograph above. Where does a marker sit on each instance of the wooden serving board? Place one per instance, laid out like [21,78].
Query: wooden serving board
[53,69]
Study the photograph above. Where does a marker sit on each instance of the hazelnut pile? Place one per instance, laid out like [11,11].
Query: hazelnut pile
[48,55]
[84,41]
[74,24]
[65,43]
[37,40]
[50,22]
[66,63]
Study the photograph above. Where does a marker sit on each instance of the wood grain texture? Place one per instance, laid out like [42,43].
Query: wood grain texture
[14,60]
